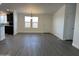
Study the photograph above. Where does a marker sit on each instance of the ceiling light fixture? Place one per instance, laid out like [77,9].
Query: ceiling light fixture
[31,14]
[7,10]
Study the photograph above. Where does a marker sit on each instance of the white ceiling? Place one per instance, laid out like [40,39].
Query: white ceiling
[35,8]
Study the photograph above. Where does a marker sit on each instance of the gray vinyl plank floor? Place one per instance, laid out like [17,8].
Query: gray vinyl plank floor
[36,45]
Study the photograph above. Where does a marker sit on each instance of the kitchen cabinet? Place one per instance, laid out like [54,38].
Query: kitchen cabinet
[3,22]
[2,33]
[9,29]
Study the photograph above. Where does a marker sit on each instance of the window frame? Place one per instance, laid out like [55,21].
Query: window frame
[27,26]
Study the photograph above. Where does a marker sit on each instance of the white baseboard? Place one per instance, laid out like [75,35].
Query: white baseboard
[33,32]
[76,46]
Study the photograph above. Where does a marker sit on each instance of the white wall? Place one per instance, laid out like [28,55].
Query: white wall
[70,11]
[44,24]
[58,22]
[63,22]
[15,22]
[76,30]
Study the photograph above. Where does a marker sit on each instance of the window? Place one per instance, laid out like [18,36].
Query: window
[34,22]
[27,22]
[31,22]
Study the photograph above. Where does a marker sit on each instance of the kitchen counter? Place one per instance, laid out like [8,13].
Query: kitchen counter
[3,24]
